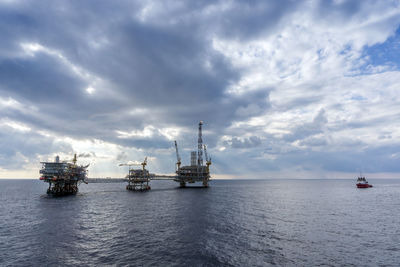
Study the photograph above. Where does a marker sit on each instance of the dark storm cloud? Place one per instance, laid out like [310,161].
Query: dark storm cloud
[164,67]
[172,70]
[41,80]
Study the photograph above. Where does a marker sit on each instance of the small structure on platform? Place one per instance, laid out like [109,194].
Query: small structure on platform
[195,172]
[138,179]
[63,177]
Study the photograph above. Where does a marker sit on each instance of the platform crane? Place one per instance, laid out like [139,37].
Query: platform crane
[144,163]
[74,160]
[208,160]
[178,158]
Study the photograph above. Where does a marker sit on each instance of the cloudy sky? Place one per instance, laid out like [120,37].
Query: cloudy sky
[296,89]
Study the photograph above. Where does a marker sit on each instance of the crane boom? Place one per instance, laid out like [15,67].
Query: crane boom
[178,158]
[208,159]
[130,164]
[144,163]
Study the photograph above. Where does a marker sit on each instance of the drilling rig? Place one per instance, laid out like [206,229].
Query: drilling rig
[195,172]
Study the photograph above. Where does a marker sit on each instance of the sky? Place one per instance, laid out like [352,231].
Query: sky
[286,89]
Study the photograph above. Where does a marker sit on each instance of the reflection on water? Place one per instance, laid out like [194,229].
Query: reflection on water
[240,223]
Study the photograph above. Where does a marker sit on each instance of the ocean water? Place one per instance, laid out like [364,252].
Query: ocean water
[231,223]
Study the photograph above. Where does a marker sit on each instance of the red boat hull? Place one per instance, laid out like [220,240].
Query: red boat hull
[363,185]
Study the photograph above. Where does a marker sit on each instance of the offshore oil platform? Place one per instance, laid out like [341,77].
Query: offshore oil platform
[63,177]
[196,172]
[138,179]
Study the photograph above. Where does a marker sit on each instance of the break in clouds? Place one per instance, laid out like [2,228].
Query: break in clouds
[285,88]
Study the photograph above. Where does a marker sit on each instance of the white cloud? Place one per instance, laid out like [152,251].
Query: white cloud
[283,85]
[21,127]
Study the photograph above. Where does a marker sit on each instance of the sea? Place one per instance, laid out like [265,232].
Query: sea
[323,222]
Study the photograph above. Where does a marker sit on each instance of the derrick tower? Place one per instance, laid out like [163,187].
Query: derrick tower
[194,172]
[200,147]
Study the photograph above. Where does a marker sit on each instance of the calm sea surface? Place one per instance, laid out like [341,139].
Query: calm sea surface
[232,223]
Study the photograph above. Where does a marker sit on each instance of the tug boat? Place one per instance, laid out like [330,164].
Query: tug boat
[362,182]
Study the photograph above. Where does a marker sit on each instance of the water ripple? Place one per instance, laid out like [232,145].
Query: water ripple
[232,223]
